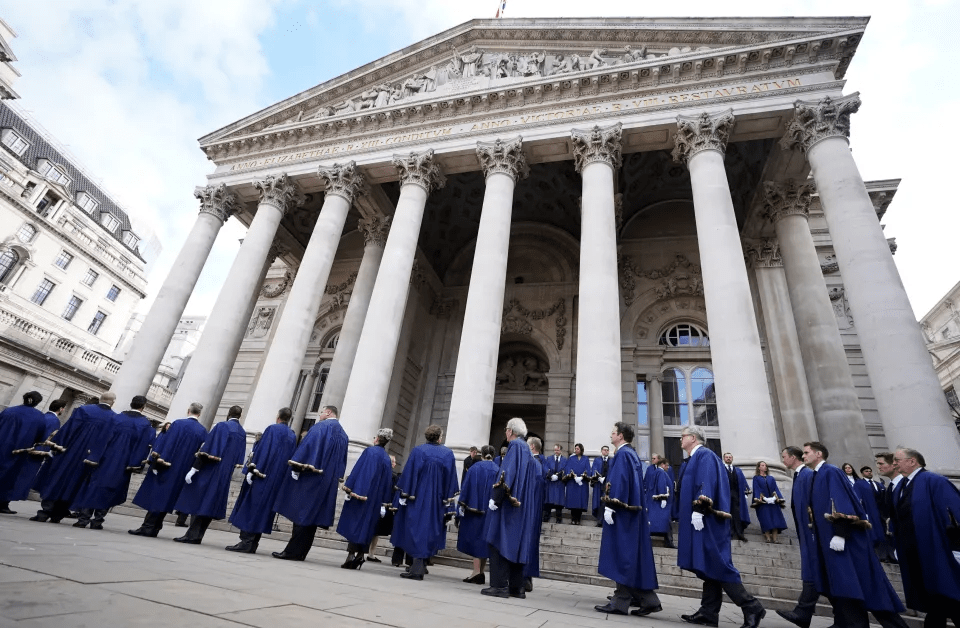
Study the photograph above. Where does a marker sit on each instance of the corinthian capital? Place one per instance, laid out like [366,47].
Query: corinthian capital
[504,157]
[762,253]
[375,230]
[419,169]
[280,192]
[597,145]
[704,132]
[815,121]
[786,199]
[217,200]
[344,180]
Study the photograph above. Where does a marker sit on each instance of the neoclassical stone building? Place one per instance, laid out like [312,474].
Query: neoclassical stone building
[576,221]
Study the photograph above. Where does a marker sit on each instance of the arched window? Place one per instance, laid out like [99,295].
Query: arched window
[685,335]
[26,233]
[676,410]
[704,397]
[332,341]
[8,261]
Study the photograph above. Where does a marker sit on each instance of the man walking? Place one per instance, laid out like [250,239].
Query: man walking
[21,427]
[792,458]
[739,506]
[553,472]
[369,490]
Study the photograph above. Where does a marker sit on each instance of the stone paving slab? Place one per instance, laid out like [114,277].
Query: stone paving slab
[57,575]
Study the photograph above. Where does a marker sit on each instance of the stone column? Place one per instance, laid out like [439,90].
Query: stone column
[138,370]
[473,386]
[655,414]
[212,356]
[306,393]
[839,420]
[375,232]
[783,346]
[909,398]
[747,426]
[598,396]
[278,375]
[369,382]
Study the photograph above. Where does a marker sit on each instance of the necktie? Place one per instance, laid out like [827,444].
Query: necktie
[795,474]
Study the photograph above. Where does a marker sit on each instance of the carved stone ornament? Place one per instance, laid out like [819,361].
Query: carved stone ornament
[419,169]
[786,199]
[892,243]
[815,121]
[704,132]
[375,230]
[443,308]
[597,145]
[341,293]
[841,309]
[280,192]
[417,277]
[260,322]
[217,200]
[829,265]
[522,370]
[511,323]
[276,250]
[762,253]
[272,291]
[679,277]
[504,157]
[344,180]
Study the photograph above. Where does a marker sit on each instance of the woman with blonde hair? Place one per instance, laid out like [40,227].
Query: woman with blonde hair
[769,502]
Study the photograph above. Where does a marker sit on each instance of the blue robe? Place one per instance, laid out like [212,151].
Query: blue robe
[253,511]
[703,479]
[174,452]
[744,502]
[429,486]
[626,554]
[657,487]
[855,572]
[531,567]
[597,471]
[926,512]
[83,437]
[21,427]
[769,516]
[321,460]
[126,452]
[31,466]
[864,490]
[474,497]
[369,487]
[555,493]
[577,495]
[509,527]
[799,503]
[222,452]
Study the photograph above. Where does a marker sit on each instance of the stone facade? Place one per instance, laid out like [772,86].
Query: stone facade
[941,329]
[575,221]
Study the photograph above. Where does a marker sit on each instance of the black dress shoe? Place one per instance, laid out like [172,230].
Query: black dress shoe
[143,532]
[411,576]
[477,579]
[496,591]
[285,556]
[79,524]
[243,548]
[751,619]
[96,526]
[7,511]
[643,611]
[183,539]
[40,518]
[373,559]
[608,608]
[700,619]
[794,619]
[528,584]
[518,593]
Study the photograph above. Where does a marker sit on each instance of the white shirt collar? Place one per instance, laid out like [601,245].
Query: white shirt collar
[817,468]
[896,480]
[915,471]
[694,450]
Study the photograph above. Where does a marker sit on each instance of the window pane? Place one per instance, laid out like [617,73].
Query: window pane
[43,291]
[90,277]
[113,293]
[642,410]
[318,390]
[704,397]
[72,306]
[674,390]
[96,323]
[63,260]
[8,260]
[26,233]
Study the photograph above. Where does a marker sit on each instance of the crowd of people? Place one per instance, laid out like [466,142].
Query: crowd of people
[847,523]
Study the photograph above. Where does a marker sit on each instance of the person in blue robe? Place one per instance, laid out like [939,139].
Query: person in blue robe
[385,523]
[78,448]
[369,489]
[21,428]
[928,540]
[553,472]
[703,540]
[34,457]
[739,505]
[847,571]
[499,459]
[263,473]
[885,467]
[512,509]
[428,492]
[174,452]
[657,488]
[626,554]
[598,473]
[308,495]
[865,490]
[472,510]
[204,497]
[576,476]
[531,568]
[769,503]
[127,451]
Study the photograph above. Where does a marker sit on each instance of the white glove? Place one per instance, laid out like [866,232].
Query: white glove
[770,500]
[608,515]
[250,478]
[956,556]
[663,503]
[190,474]
[347,498]
[602,479]
[403,501]
[383,511]
[155,472]
[697,520]
[554,477]
[295,475]
[838,543]
[578,480]
[460,510]
[492,505]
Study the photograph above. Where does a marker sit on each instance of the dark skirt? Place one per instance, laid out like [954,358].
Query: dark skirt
[385,525]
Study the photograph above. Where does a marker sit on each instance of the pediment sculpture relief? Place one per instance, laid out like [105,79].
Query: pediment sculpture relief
[521,371]
[680,277]
[260,322]
[519,322]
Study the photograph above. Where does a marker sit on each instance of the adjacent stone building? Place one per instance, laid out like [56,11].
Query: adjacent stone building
[941,329]
[575,221]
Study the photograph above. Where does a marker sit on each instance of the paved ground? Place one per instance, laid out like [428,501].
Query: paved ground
[57,575]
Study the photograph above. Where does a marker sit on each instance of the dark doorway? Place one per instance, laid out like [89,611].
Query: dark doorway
[533,414]
[674,454]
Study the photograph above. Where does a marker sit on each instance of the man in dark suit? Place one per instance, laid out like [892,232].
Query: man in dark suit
[887,468]
[739,507]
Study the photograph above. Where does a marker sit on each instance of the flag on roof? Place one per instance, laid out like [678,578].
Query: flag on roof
[501,8]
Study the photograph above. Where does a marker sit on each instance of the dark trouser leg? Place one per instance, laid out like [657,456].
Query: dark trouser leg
[939,609]
[181,519]
[5,508]
[623,597]
[889,619]
[99,514]
[301,540]
[154,520]
[84,516]
[198,527]
[514,576]
[53,510]
[559,509]
[253,538]
[499,569]
[741,598]
[807,603]
[849,613]
[575,514]
[397,558]
[418,568]
[710,600]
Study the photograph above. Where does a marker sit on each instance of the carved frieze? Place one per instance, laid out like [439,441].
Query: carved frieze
[519,323]
[704,132]
[829,265]
[598,145]
[279,191]
[522,370]
[815,121]
[343,180]
[420,169]
[786,199]
[260,322]
[763,253]
[679,277]
[375,230]
[217,201]
[340,292]
[841,309]
[275,290]
[504,157]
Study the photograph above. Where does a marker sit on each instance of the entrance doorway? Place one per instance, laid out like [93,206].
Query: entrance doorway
[533,414]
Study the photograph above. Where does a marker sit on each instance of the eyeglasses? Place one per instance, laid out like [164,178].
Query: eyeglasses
[902,459]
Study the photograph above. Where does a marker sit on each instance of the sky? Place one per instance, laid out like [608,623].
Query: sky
[130,85]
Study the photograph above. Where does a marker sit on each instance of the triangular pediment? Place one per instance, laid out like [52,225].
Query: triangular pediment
[490,59]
